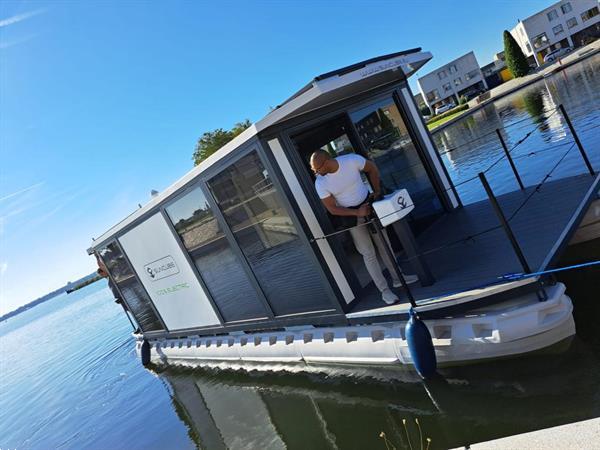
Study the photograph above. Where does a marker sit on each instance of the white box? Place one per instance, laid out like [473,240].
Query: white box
[393,207]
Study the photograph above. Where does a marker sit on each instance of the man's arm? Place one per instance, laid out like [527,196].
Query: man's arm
[373,174]
[336,210]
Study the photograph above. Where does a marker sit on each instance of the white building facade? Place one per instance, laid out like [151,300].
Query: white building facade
[568,23]
[449,82]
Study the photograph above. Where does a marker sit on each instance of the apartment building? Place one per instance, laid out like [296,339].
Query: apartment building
[567,23]
[451,81]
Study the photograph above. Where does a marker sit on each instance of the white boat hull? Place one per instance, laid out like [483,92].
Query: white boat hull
[512,328]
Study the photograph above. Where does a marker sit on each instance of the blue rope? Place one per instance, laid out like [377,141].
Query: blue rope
[521,275]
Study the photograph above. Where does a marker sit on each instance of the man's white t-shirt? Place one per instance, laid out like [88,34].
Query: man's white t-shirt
[345,184]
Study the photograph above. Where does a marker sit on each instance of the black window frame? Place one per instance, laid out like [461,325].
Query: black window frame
[116,242]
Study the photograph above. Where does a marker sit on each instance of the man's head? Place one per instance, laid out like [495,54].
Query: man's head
[102,271]
[321,163]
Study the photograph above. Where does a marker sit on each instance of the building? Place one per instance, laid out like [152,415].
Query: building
[496,72]
[568,23]
[449,82]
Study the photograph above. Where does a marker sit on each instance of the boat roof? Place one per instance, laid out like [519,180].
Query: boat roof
[324,89]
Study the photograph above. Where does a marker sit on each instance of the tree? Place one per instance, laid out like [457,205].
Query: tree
[515,59]
[211,141]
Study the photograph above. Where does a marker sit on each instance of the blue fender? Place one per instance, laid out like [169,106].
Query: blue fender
[145,353]
[420,346]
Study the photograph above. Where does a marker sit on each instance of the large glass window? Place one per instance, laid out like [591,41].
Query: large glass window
[540,40]
[566,8]
[472,74]
[133,292]
[387,142]
[587,15]
[552,15]
[572,22]
[254,210]
[557,29]
[433,95]
[218,265]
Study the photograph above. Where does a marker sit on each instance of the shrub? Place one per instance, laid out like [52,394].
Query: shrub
[448,113]
[515,59]
[462,100]
[425,111]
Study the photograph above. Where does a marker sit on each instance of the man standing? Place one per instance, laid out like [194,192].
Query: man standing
[341,189]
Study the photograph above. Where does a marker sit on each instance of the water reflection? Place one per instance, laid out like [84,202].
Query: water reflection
[472,144]
[319,407]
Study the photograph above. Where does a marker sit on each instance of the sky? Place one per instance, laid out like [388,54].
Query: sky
[101,102]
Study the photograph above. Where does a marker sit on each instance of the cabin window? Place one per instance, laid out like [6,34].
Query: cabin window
[221,270]
[255,212]
[387,142]
[132,290]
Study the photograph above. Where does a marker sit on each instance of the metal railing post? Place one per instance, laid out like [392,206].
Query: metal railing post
[380,230]
[510,160]
[504,223]
[577,141]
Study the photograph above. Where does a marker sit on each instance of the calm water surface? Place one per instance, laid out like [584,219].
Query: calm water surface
[70,379]
[474,145]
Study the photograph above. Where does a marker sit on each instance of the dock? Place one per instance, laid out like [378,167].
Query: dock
[584,434]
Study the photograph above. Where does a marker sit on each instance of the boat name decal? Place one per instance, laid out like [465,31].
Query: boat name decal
[171,289]
[161,268]
[381,67]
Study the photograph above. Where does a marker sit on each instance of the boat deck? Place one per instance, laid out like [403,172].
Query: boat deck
[542,228]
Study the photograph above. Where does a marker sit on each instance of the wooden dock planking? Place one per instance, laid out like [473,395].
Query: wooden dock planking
[542,228]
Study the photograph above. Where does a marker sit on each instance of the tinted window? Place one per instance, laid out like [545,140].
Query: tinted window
[387,142]
[254,210]
[133,293]
[219,267]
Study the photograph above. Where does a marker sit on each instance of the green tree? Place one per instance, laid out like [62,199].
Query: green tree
[211,141]
[515,59]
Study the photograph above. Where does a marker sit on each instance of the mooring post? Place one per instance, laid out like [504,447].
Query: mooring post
[504,223]
[577,141]
[510,160]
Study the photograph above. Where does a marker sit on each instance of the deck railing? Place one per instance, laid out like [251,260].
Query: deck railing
[504,222]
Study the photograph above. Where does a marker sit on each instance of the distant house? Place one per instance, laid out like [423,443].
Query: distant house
[449,82]
[496,72]
[570,23]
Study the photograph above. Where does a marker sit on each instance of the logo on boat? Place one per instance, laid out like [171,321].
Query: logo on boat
[402,202]
[161,268]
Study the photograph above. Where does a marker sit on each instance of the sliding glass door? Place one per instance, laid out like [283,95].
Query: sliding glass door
[255,212]
[387,142]
[218,265]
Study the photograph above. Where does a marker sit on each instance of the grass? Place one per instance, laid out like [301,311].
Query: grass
[437,123]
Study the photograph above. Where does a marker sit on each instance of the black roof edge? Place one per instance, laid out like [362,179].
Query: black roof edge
[361,64]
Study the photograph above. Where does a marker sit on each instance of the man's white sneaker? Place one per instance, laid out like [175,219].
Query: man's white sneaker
[389,297]
[410,279]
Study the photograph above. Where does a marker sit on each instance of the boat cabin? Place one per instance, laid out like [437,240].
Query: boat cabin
[239,242]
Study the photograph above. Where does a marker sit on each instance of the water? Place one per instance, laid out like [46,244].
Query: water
[70,379]
[477,146]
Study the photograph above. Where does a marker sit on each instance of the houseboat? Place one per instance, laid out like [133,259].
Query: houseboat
[239,260]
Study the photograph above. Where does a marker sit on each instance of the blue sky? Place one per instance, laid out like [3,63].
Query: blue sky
[100,102]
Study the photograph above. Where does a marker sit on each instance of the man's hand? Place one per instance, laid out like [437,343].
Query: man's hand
[364,210]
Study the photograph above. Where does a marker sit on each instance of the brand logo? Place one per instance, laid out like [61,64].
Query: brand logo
[161,268]
[381,67]
[402,202]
